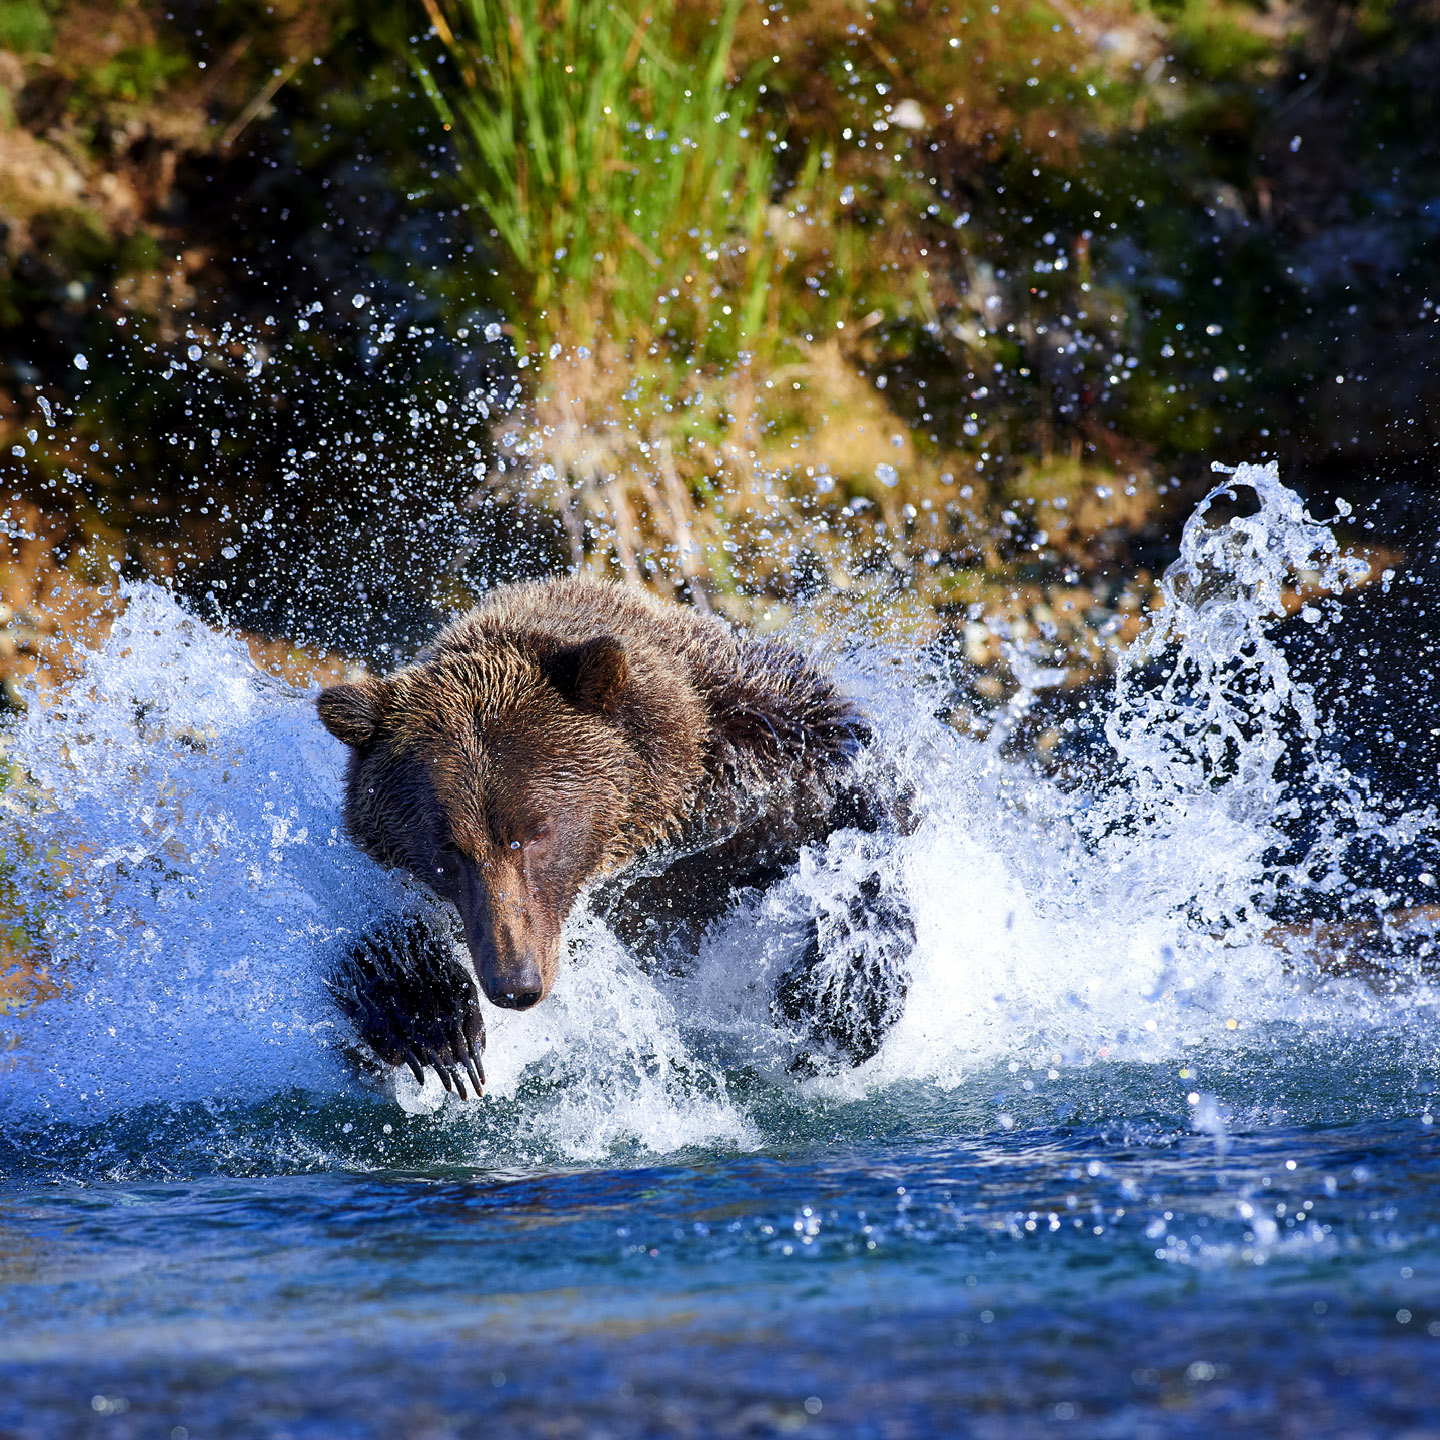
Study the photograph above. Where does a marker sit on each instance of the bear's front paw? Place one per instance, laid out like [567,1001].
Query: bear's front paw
[848,988]
[413,1004]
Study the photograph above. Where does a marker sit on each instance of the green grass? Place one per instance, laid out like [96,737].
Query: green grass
[25,26]
[624,181]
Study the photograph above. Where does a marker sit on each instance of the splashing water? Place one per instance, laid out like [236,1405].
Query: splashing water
[1201,747]
[190,875]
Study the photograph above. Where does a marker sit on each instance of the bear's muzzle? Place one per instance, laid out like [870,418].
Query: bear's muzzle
[514,958]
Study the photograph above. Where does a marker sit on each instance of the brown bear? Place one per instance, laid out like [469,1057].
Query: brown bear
[569,736]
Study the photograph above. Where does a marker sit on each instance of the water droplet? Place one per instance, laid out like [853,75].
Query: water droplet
[81,363]
[908,116]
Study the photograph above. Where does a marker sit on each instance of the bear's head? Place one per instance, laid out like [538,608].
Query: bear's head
[506,771]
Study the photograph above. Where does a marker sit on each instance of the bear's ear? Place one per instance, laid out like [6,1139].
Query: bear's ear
[352,713]
[591,675]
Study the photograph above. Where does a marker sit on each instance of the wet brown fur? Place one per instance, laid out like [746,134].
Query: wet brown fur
[569,730]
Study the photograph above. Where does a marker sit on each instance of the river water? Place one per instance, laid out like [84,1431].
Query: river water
[1152,1150]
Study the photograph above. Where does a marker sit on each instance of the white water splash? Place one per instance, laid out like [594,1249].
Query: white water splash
[195,805]
[1130,923]
[188,814]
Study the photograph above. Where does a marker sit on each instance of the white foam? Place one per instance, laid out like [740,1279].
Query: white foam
[198,804]
[194,804]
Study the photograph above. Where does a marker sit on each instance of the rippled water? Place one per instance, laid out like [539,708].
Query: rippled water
[1131,1164]
[1113,1279]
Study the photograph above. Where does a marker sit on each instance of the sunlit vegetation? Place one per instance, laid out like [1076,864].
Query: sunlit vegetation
[930,309]
[729,349]
[1025,281]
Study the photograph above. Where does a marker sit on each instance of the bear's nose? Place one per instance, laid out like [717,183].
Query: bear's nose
[516,999]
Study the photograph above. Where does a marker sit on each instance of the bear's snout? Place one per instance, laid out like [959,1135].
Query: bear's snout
[512,981]
[513,953]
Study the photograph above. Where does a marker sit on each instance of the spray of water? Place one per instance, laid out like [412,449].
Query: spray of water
[1206,707]
[192,877]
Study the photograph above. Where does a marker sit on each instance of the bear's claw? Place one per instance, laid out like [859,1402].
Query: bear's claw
[413,1004]
[466,1051]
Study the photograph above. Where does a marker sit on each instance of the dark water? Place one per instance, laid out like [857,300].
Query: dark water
[1133,1163]
[1124,1278]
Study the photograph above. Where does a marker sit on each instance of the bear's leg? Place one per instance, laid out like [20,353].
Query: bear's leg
[849,986]
[412,1002]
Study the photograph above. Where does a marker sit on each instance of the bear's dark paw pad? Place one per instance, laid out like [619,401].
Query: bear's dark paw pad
[413,1004]
[849,986]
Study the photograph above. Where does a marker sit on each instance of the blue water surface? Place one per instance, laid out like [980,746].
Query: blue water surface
[874,1268]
